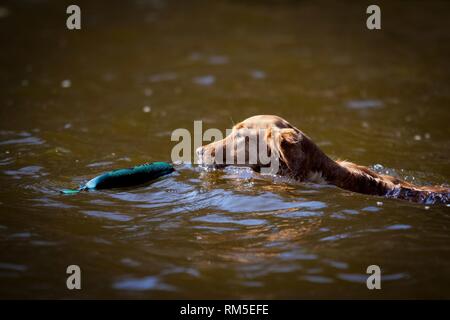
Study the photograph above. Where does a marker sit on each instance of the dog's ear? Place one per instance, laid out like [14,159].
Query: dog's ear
[289,148]
[285,144]
[275,137]
[289,136]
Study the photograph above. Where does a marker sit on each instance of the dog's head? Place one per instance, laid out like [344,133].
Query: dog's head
[262,142]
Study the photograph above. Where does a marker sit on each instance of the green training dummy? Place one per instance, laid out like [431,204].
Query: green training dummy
[126,177]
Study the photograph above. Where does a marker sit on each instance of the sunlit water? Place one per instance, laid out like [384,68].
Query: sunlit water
[75,104]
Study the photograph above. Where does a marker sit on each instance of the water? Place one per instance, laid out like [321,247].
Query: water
[78,103]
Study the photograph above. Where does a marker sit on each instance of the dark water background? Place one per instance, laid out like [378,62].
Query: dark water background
[73,104]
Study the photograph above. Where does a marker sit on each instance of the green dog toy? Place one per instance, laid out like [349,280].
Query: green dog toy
[125,177]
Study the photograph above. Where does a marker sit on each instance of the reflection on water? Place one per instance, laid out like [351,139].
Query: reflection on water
[364,104]
[74,104]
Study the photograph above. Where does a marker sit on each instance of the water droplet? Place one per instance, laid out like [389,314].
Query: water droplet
[378,167]
[146,109]
[66,83]
[379,203]
[417,137]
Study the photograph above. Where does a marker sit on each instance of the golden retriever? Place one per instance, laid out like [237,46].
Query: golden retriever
[298,157]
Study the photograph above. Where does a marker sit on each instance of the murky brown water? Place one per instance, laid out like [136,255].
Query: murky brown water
[72,106]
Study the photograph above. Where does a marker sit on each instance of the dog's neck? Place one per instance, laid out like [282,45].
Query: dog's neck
[343,174]
[355,178]
[352,177]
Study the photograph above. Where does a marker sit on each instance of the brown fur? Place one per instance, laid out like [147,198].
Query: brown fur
[300,157]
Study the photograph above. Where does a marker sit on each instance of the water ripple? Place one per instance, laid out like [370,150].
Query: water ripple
[142,284]
[217,218]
